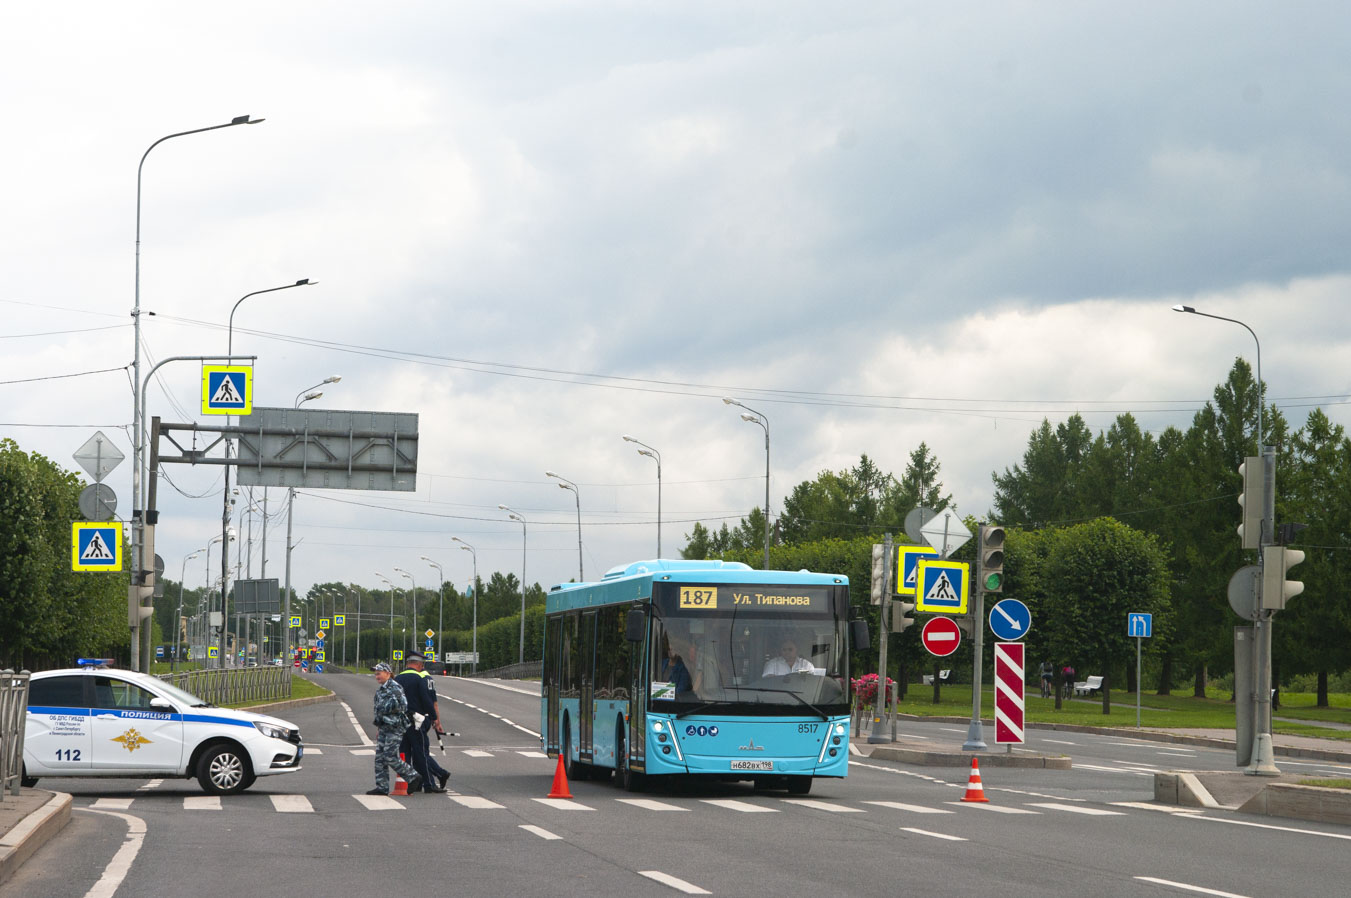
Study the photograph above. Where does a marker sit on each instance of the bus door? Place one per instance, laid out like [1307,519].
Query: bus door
[586,639]
[554,659]
[637,675]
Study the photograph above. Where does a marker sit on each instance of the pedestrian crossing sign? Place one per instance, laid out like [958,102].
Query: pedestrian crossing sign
[227,390]
[398,654]
[942,587]
[96,547]
[212,652]
[323,624]
[907,567]
[339,620]
[295,620]
[319,656]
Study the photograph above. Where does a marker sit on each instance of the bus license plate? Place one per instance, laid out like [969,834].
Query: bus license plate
[752,765]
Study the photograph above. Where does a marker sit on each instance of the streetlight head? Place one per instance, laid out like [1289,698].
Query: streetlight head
[246,120]
[550,474]
[728,400]
[318,393]
[646,452]
[303,281]
[1181,308]
[503,507]
[629,439]
[750,418]
[332,378]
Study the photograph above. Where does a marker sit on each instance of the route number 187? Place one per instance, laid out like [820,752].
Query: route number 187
[698,597]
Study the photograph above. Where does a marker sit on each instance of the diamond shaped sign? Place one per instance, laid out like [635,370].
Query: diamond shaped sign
[98,456]
[946,532]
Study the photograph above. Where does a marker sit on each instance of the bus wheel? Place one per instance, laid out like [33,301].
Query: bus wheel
[576,770]
[799,785]
[625,778]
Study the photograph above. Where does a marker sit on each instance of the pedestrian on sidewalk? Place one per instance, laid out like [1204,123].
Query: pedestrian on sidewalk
[391,722]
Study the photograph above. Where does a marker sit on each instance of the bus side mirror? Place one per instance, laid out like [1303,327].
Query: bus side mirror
[858,635]
[635,626]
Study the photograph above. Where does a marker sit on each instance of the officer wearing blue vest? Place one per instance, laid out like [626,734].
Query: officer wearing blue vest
[421,700]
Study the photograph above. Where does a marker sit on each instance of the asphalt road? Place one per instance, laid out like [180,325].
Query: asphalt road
[887,828]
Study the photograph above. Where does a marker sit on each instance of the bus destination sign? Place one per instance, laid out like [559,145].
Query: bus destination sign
[753,598]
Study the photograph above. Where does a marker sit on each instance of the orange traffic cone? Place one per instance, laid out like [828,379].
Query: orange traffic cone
[400,785]
[560,789]
[974,790]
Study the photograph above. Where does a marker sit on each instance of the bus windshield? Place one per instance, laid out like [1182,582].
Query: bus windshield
[757,650]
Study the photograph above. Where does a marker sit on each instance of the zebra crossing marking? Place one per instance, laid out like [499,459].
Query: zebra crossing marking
[912,808]
[475,802]
[563,804]
[201,803]
[995,808]
[475,753]
[651,804]
[934,835]
[1077,809]
[744,807]
[378,802]
[293,804]
[542,833]
[112,804]
[824,806]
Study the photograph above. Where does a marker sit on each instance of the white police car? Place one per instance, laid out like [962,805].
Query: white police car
[102,722]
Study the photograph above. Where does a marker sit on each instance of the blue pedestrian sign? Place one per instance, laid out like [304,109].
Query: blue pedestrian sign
[1139,624]
[907,567]
[1010,620]
[227,390]
[942,587]
[96,547]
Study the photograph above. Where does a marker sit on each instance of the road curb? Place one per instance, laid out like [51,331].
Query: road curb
[1317,804]
[32,832]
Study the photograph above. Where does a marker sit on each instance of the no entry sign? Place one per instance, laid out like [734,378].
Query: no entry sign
[941,636]
[1008,692]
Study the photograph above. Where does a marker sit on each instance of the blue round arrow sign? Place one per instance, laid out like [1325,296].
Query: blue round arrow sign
[1010,619]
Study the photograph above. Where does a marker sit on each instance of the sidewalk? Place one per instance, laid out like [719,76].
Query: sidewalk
[27,821]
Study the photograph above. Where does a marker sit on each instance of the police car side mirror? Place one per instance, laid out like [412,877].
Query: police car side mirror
[635,626]
[858,635]
[161,703]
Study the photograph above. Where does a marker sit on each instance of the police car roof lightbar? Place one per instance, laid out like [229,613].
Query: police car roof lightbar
[94,662]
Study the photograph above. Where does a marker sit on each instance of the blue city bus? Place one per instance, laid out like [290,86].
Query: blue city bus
[677,668]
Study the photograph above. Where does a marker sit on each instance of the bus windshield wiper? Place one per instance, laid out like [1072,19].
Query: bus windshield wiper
[697,708]
[815,710]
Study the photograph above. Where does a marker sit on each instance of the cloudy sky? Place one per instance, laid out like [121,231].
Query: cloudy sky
[543,225]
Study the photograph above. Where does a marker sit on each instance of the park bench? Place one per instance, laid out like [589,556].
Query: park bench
[942,677]
[1084,687]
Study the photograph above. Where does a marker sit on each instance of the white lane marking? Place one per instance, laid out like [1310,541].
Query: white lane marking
[915,736]
[679,885]
[498,716]
[951,730]
[120,865]
[475,753]
[1284,829]
[1060,741]
[1188,888]
[363,751]
[997,808]
[651,805]
[312,751]
[152,784]
[361,734]
[531,754]
[744,807]
[475,802]
[201,803]
[112,804]
[378,802]
[1166,808]
[824,806]
[563,804]
[912,808]
[292,804]
[542,833]
[925,832]
[1114,769]
[533,692]
[1076,809]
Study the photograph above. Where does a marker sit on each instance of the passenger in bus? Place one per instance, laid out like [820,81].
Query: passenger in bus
[673,669]
[786,662]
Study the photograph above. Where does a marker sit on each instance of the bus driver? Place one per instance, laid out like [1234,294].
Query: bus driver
[787,662]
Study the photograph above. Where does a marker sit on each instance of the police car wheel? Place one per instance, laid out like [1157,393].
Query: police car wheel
[25,780]
[224,770]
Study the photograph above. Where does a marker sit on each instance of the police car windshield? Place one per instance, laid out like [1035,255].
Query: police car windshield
[180,695]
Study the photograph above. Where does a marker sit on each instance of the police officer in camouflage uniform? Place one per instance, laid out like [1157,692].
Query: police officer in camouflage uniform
[391,721]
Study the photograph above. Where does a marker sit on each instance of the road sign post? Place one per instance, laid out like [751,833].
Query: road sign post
[878,732]
[1141,626]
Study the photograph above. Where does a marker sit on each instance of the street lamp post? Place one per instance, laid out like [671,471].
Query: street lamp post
[516,516]
[385,580]
[441,601]
[655,456]
[470,549]
[399,570]
[577,494]
[758,418]
[178,624]
[136,539]
[1262,761]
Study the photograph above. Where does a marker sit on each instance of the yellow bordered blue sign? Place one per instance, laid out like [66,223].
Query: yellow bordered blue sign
[295,620]
[339,620]
[942,587]
[227,390]
[212,651]
[907,563]
[319,656]
[323,624]
[96,547]
[398,654]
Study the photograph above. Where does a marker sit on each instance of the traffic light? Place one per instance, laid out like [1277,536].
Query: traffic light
[899,615]
[991,558]
[1250,501]
[1276,563]
[879,574]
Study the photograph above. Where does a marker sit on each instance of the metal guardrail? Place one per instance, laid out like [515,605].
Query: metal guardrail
[527,670]
[234,685]
[13,716]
